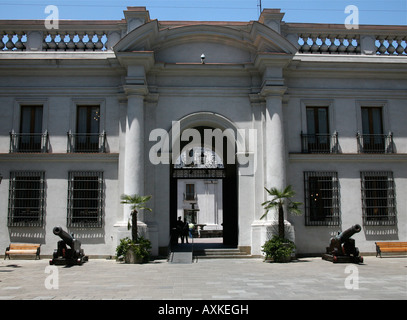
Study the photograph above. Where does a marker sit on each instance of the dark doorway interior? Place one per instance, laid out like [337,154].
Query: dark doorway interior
[229,190]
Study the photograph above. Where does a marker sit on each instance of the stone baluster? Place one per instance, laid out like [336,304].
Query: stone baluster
[314,46]
[333,48]
[400,49]
[70,45]
[9,43]
[341,47]
[80,45]
[351,49]
[89,46]
[324,47]
[62,44]
[51,44]
[390,49]
[19,45]
[99,43]
[305,48]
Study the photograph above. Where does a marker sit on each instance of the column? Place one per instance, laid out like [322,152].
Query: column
[134,150]
[275,141]
[276,153]
[131,168]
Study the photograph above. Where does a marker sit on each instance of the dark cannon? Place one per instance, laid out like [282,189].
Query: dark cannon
[64,255]
[342,247]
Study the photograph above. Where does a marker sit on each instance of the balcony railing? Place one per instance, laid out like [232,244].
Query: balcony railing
[86,142]
[190,197]
[30,35]
[29,142]
[375,143]
[319,143]
[336,39]
[99,35]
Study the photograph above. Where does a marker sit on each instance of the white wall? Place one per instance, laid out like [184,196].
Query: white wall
[209,202]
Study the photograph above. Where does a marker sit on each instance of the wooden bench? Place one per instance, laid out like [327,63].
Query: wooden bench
[23,249]
[391,247]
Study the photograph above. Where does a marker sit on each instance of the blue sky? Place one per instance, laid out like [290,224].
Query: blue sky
[383,12]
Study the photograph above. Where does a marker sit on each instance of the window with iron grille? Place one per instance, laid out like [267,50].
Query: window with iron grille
[321,198]
[85,199]
[378,198]
[26,199]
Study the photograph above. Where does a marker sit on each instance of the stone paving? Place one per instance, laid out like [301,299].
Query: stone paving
[210,279]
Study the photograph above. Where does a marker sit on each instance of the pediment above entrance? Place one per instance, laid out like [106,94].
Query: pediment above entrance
[218,42]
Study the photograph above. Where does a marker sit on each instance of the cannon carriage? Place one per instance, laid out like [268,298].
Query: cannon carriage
[68,250]
[342,247]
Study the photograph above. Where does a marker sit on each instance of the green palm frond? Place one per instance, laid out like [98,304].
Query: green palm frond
[279,199]
[136,201]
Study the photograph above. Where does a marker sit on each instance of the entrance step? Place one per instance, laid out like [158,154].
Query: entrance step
[181,253]
[180,257]
[222,253]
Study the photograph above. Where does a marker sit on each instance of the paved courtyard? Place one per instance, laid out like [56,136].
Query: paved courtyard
[206,279]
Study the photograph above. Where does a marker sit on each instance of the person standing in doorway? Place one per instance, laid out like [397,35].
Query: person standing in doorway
[185,231]
[180,229]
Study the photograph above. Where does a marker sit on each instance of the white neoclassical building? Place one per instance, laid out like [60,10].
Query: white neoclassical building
[175,109]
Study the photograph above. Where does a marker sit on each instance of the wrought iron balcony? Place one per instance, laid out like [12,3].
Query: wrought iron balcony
[86,142]
[29,142]
[319,143]
[375,143]
[190,197]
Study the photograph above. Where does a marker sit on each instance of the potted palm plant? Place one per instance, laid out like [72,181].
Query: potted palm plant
[135,250]
[280,248]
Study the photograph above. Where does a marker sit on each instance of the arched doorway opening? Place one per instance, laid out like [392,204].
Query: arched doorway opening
[206,165]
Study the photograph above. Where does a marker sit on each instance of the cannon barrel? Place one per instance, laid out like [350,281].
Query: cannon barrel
[345,235]
[65,236]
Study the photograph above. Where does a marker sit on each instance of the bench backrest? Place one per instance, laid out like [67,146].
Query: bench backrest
[392,244]
[24,246]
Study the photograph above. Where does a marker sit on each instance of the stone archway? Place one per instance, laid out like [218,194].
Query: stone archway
[200,124]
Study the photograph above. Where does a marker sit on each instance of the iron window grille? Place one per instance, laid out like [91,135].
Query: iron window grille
[85,199]
[378,198]
[26,199]
[321,198]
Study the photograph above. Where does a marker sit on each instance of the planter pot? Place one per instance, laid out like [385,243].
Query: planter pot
[284,259]
[287,257]
[132,257]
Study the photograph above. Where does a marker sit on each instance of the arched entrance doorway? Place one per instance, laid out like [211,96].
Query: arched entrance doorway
[204,160]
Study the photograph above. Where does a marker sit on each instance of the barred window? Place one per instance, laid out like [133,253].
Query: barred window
[378,198]
[321,198]
[85,199]
[26,199]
